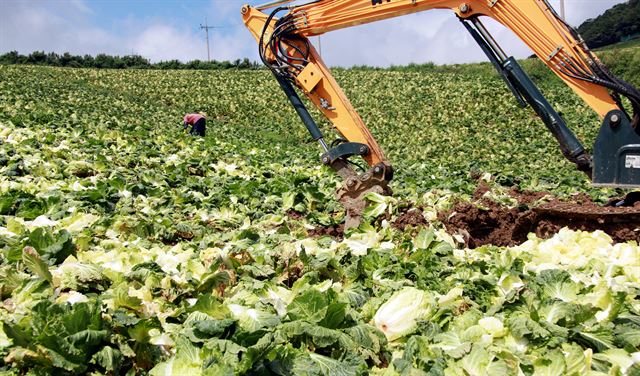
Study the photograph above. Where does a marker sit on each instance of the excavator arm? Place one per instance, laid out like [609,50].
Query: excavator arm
[284,47]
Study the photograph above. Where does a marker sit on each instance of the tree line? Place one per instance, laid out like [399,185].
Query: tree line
[118,62]
[617,24]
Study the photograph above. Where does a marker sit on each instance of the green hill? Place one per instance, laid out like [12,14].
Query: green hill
[633,43]
[618,24]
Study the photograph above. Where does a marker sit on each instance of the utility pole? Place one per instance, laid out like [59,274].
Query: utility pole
[562,14]
[206,28]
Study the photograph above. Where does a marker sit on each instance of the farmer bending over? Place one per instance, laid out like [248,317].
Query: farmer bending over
[198,123]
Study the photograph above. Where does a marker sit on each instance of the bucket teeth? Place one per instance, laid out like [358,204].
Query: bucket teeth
[352,193]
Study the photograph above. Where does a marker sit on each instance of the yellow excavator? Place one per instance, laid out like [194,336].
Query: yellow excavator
[282,34]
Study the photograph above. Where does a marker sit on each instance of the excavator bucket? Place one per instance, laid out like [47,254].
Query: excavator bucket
[616,153]
[352,193]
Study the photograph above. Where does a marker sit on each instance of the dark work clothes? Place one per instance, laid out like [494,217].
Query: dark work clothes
[199,127]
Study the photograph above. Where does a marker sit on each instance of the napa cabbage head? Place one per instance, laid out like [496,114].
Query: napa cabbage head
[399,315]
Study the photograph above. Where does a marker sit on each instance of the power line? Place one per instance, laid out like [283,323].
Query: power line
[206,28]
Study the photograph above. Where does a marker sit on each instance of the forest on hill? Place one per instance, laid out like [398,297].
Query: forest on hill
[618,24]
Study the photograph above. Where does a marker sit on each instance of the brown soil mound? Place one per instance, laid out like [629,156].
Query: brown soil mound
[492,223]
[622,224]
[409,217]
[528,197]
[485,222]
[295,215]
[335,231]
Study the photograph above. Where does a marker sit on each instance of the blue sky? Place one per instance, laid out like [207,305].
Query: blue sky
[169,29]
[108,13]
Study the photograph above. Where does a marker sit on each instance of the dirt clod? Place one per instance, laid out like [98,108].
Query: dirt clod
[295,215]
[490,224]
[527,197]
[410,217]
[335,231]
[481,189]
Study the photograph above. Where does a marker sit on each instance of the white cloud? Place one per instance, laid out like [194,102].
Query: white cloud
[37,25]
[65,26]
[81,6]
[433,36]
[162,42]
[577,11]
[235,45]
[68,25]
[224,12]
[436,36]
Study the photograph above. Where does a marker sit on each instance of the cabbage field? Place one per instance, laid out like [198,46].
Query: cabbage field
[129,247]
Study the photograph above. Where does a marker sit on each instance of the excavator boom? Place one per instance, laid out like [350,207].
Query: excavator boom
[284,47]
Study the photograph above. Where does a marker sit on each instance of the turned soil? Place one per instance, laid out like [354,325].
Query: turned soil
[335,231]
[486,222]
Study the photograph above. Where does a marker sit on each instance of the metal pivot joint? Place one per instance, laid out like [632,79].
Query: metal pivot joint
[343,151]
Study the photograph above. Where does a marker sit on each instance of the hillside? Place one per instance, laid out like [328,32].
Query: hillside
[616,25]
[633,43]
